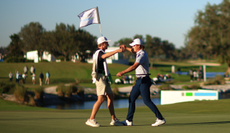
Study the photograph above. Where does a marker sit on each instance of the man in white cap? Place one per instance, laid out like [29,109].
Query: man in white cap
[100,74]
[143,83]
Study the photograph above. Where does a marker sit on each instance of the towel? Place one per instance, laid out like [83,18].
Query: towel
[95,69]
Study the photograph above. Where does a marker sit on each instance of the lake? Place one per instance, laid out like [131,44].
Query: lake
[120,103]
[208,74]
[123,103]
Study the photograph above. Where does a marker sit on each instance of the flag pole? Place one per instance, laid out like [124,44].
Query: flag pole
[100,29]
[99,20]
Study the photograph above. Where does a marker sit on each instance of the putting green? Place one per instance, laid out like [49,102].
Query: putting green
[191,117]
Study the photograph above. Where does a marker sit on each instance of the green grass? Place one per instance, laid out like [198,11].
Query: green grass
[67,72]
[189,117]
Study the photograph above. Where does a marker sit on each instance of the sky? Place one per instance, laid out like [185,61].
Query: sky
[167,19]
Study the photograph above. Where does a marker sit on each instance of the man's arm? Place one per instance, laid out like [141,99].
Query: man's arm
[129,69]
[126,48]
[106,55]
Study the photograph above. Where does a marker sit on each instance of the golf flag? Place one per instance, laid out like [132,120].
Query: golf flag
[88,17]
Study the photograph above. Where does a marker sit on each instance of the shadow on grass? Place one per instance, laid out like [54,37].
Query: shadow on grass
[41,119]
[198,123]
[184,124]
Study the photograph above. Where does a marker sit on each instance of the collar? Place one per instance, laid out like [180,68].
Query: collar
[139,51]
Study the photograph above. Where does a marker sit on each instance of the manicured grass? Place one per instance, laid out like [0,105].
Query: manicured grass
[198,116]
[190,117]
[67,72]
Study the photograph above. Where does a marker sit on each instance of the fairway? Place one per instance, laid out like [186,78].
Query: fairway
[191,117]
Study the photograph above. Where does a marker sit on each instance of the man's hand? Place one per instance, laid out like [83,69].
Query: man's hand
[121,50]
[123,46]
[119,74]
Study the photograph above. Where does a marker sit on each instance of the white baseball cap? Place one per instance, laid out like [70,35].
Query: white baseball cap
[136,41]
[102,39]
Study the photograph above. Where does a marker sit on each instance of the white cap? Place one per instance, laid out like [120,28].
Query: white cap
[102,39]
[136,41]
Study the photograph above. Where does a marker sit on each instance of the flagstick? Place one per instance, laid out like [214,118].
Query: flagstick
[99,21]
[100,29]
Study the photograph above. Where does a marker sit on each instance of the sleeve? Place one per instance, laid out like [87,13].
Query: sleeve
[140,58]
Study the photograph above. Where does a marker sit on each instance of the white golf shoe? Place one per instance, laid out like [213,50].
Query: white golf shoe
[127,123]
[158,122]
[116,123]
[92,123]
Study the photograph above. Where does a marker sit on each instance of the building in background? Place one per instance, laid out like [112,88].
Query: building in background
[33,55]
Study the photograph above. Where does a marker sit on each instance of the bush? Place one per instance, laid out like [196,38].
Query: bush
[80,91]
[195,86]
[191,87]
[15,59]
[185,87]
[31,101]
[60,90]
[20,93]
[7,87]
[216,81]
[43,60]
[39,92]
[69,90]
[62,58]
[165,87]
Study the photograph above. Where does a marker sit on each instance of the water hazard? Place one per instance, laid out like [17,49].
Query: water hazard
[120,103]
[123,103]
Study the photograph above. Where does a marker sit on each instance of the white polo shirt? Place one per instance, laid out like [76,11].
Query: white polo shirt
[143,60]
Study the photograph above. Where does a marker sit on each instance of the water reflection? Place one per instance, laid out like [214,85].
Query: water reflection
[208,74]
[120,103]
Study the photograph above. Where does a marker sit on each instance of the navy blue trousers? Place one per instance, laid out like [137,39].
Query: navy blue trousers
[142,87]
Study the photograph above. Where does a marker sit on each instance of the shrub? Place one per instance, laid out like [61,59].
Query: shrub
[169,82]
[39,92]
[7,87]
[195,86]
[60,90]
[68,90]
[31,101]
[20,93]
[165,87]
[73,88]
[62,58]
[185,87]
[13,59]
[216,81]
[43,60]
[80,91]
[191,87]
[115,92]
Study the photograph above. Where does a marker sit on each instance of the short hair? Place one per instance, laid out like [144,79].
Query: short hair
[99,45]
[142,47]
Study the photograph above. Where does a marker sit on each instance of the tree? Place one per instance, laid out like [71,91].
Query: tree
[211,32]
[84,42]
[15,47]
[30,35]
[64,39]
[126,42]
[48,43]
[70,41]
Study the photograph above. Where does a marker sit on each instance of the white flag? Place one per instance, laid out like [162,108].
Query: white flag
[88,17]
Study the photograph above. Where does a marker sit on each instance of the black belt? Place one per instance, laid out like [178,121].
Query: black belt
[142,77]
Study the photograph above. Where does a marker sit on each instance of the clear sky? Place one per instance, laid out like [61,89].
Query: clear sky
[167,19]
